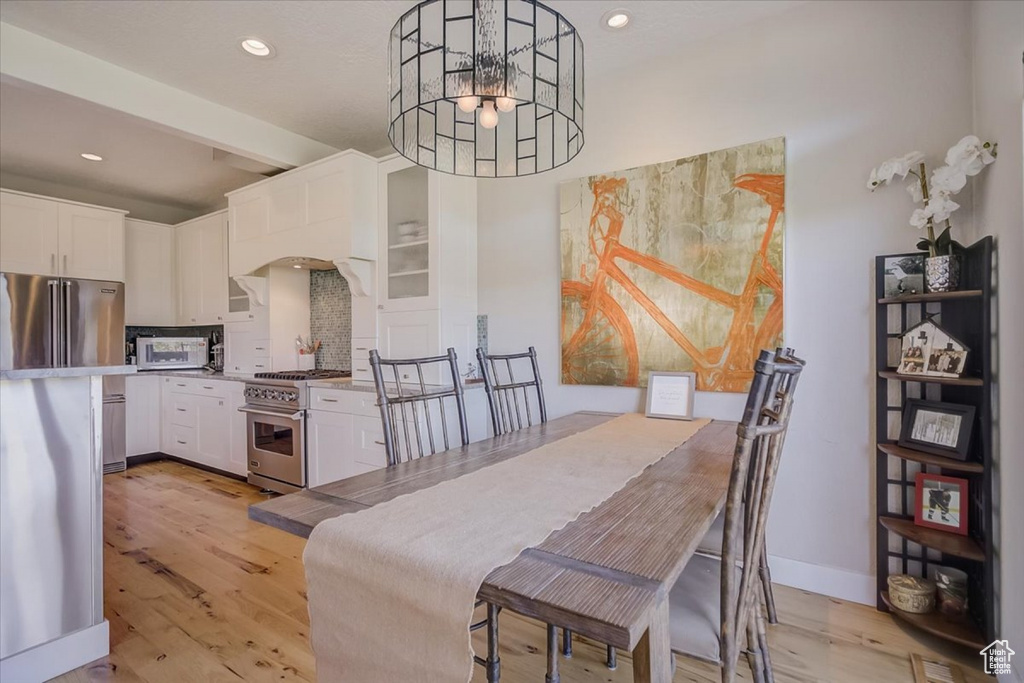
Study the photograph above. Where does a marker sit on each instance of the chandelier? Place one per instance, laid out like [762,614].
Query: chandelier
[486,88]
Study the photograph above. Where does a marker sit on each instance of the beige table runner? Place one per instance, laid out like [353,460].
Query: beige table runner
[391,589]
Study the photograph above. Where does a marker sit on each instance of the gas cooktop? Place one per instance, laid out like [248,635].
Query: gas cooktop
[303,375]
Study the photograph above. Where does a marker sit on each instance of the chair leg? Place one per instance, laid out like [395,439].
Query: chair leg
[754,658]
[552,675]
[766,655]
[613,658]
[766,583]
[567,643]
[493,664]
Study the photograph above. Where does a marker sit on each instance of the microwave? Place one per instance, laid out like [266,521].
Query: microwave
[172,353]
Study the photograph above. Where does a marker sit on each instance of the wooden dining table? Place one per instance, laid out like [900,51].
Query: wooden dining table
[605,575]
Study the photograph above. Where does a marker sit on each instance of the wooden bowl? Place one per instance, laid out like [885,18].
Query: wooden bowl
[912,593]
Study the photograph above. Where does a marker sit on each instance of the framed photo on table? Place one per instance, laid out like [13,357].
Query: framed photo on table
[670,395]
[941,503]
[938,428]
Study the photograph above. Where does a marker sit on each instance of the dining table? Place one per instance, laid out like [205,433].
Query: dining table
[605,575]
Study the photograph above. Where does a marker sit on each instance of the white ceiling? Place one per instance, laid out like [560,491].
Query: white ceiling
[328,80]
[153,174]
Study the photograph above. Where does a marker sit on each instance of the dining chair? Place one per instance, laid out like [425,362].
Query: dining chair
[405,398]
[509,399]
[412,412]
[717,599]
[711,544]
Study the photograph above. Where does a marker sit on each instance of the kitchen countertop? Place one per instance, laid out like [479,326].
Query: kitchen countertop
[198,374]
[49,373]
[349,384]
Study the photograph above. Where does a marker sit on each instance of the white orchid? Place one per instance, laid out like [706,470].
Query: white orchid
[890,168]
[915,192]
[940,206]
[919,219]
[970,155]
[948,179]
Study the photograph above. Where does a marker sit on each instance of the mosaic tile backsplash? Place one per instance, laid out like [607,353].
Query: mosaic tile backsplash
[330,313]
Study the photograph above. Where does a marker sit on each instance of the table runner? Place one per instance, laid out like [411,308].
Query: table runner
[391,588]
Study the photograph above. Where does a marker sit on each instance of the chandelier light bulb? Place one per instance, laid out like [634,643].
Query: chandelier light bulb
[488,115]
[505,104]
[468,103]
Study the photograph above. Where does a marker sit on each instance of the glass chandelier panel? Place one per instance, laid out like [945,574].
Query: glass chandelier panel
[486,88]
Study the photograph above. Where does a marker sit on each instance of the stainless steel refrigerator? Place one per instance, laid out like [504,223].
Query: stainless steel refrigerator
[52,322]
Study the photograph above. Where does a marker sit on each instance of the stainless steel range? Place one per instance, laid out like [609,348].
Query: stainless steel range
[275,404]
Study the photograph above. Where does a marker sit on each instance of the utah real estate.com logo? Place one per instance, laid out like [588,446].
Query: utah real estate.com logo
[997,658]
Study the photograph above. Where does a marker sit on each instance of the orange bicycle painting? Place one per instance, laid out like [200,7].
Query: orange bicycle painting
[674,266]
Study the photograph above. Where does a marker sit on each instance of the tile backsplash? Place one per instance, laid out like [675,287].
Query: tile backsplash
[330,312]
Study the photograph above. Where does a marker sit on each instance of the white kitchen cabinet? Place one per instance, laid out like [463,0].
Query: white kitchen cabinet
[28,234]
[44,236]
[202,270]
[91,242]
[142,414]
[149,292]
[267,341]
[200,422]
[328,444]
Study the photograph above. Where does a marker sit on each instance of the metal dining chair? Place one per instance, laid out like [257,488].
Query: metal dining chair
[711,544]
[416,424]
[717,599]
[509,399]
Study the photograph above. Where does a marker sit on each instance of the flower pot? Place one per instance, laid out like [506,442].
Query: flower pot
[942,273]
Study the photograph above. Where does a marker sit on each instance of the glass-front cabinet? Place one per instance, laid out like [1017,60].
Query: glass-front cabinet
[408,244]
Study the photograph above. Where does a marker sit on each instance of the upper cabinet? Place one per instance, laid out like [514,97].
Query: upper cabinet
[326,210]
[202,270]
[49,237]
[149,292]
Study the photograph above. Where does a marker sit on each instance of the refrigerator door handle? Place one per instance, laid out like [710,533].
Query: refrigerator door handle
[55,336]
[65,328]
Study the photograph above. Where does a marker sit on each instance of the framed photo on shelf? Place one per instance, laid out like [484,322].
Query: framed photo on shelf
[904,275]
[929,351]
[670,395]
[938,428]
[941,503]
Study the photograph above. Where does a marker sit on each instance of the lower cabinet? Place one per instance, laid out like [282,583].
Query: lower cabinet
[142,414]
[200,422]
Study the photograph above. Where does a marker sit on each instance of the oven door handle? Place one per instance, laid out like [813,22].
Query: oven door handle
[297,415]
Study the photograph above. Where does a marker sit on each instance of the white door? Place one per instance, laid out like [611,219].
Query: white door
[329,448]
[188,274]
[91,243]
[149,296]
[28,235]
[213,269]
[142,414]
[213,431]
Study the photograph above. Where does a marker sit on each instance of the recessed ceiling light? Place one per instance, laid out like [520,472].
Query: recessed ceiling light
[615,19]
[257,47]
[89,156]
[296,266]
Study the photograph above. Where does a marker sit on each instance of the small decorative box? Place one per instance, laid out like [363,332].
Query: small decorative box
[911,593]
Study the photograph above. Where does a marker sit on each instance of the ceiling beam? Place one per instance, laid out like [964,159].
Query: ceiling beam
[32,59]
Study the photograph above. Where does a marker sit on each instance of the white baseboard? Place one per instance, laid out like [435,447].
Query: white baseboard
[49,660]
[816,578]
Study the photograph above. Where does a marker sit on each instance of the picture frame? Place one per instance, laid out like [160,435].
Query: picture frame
[938,428]
[928,350]
[670,395]
[904,275]
[941,502]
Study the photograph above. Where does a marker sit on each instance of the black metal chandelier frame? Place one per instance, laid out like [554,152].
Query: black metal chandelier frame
[428,74]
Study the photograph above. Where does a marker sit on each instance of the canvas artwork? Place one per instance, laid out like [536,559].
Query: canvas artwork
[675,266]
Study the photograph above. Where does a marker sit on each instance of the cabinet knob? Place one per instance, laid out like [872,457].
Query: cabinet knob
[219,318]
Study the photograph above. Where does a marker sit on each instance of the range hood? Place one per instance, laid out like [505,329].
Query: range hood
[358,273]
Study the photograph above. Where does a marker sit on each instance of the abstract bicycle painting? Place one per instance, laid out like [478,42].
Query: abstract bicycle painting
[676,266]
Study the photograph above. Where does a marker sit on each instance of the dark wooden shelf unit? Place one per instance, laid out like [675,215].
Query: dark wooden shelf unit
[949,381]
[929,459]
[943,541]
[959,630]
[929,297]
[902,546]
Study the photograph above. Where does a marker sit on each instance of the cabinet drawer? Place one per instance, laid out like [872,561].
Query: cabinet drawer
[182,411]
[361,347]
[257,348]
[261,364]
[332,400]
[181,385]
[368,444]
[361,370]
[214,388]
[183,442]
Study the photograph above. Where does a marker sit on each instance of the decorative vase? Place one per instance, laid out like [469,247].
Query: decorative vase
[942,273]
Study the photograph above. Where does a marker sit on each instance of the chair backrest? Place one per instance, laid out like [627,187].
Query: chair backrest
[509,397]
[760,437]
[412,412]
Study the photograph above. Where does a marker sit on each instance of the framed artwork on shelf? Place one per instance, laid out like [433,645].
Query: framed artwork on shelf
[941,503]
[904,275]
[928,350]
[670,395]
[938,428]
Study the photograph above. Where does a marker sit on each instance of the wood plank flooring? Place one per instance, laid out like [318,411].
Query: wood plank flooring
[195,591]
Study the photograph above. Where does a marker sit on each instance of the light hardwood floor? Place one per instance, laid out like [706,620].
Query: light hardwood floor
[194,591]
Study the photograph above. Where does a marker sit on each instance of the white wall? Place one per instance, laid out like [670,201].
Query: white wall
[998,42]
[849,85]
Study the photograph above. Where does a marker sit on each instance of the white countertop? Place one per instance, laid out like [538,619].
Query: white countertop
[52,373]
[198,374]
